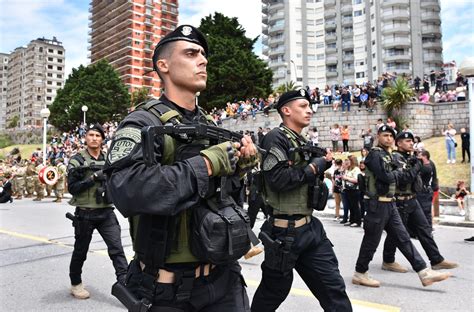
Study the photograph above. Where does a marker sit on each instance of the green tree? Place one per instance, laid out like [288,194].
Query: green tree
[396,95]
[140,95]
[98,86]
[13,122]
[287,86]
[234,71]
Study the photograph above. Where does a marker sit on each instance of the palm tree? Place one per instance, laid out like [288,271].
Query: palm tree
[395,96]
[288,86]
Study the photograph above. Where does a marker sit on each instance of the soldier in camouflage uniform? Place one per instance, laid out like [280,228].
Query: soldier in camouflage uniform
[59,186]
[19,178]
[39,187]
[30,179]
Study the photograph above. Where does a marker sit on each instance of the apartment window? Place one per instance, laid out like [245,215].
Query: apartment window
[373,42]
[360,75]
[50,51]
[311,45]
[311,57]
[319,33]
[309,1]
[50,75]
[50,59]
[373,29]
[310,22]
[49,82]
[60,68]
[357,1]
[372,16]
[320,57]
[50,66]
[358,13]
[48,98]
[373,55]
[59,84]
[361,63]
[319,21]
[319,45]
[60,60]
[299,67]
[49,90]
[59,76]
[41,49]
[137,42]
[38,97]
[60,52]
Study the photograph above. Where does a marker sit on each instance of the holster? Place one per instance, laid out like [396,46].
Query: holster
[128,299]
[278,254]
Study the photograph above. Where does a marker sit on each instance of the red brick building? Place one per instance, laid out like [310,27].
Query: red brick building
[125,33]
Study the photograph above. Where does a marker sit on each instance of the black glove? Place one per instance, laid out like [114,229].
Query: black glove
[98,176]
[319,163]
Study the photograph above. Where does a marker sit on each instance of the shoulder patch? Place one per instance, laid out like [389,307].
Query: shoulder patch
[274,156]
[124,141]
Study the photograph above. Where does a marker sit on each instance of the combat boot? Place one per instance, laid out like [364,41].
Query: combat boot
[394,267]
[79,291]
[428,276]
[444,265]
[37,199]
[255,250]
[18,197]
[364,279]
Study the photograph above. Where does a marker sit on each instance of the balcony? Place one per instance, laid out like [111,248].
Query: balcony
[265,30]
[430,4]
[264,19]
[348,71]
[348,45]
[277,51]
[276,28]
[264,9]
[396,43]
[273,41]
[331,60]
[264,40]
[279,74]
[265,50]
[346,8]
[331,50]
[430,29]
[433,58]
[430,16]
[275,6]
[329,3]
[397,29]
[435,45]
[390,3]
[347,21]
[331,37]
[395,15]
[276,64]
[397,58]
[276,17]
[329,13]
[330,25]
[331,74]
[348,58]
[347,34]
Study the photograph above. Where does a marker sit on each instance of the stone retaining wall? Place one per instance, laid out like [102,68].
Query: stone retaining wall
[426,120]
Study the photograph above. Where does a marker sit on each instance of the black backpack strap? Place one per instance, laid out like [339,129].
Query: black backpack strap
[161,111]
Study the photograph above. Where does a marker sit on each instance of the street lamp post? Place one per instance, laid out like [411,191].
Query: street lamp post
[84,109]
[45,115]
[467,69]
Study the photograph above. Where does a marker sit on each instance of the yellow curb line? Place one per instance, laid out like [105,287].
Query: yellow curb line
[294,291]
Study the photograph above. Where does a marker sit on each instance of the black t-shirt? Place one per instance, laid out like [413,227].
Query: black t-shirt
[465,139]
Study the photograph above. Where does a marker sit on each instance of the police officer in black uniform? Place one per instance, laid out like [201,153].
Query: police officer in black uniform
[382,177]
[410,211]
[429,179]
[255,199]
[164,198]
[292,237]
[94,210]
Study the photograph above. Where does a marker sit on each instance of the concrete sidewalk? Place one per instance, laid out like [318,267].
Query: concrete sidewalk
[449,218]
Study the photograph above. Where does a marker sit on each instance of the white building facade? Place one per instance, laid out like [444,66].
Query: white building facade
[319,42]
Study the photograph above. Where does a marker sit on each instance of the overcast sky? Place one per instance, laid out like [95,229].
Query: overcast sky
[24,20]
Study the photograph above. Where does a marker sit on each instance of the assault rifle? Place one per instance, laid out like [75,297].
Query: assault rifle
[187,133]
[308,151]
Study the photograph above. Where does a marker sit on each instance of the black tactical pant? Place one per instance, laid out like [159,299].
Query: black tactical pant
[414,219]
[426,201]
[384,216]
[255,204]
[106,223]
[222,290]
[315,261]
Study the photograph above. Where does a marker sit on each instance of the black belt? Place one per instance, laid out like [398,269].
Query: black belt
[401,197]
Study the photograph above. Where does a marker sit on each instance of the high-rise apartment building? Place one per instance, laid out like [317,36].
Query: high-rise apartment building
[3,88]
[35,73]
[319,42]
[125,33]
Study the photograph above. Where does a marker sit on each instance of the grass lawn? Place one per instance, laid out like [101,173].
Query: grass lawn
[25,150]
[448,174]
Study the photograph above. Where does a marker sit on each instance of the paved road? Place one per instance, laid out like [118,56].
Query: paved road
[35,249]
